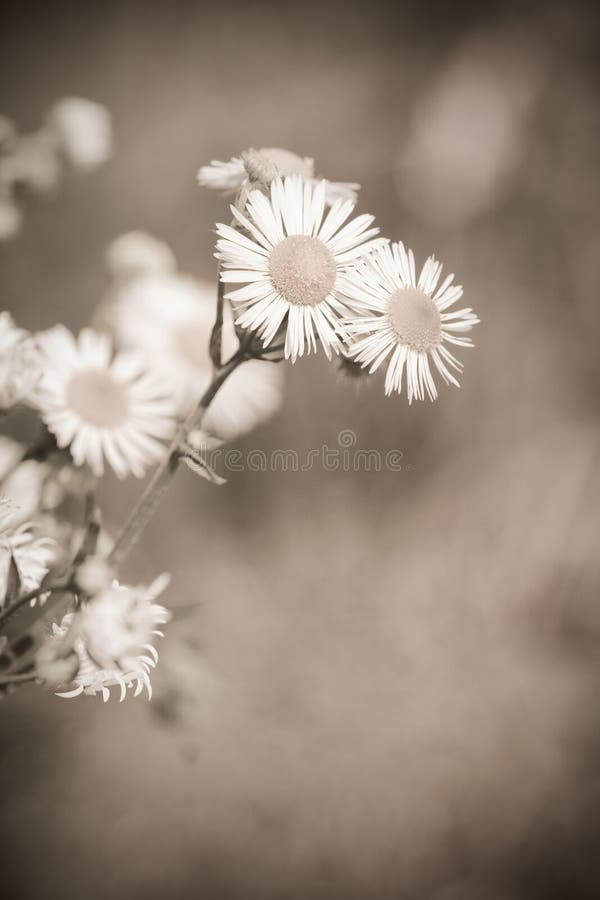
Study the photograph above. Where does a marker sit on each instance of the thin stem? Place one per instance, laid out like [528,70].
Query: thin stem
[33,594]
[160,481]
[216,337]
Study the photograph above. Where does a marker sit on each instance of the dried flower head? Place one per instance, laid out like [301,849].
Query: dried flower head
[112,638]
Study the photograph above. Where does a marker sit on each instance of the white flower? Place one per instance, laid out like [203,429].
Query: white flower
[20,363]
[33,556]
[111,636]
[84,132]
[137,253]
[169,318]
[102,407]
[264,165]
[407,318]
[290,260]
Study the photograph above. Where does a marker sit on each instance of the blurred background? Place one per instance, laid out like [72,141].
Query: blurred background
[377,684]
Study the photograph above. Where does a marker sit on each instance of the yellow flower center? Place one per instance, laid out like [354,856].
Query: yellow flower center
[98,398]
[302,269]
[415,318]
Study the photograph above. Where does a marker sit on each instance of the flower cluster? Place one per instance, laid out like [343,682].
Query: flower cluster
[170,365]
[312,277]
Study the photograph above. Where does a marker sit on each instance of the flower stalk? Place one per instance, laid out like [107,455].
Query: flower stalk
[163,475]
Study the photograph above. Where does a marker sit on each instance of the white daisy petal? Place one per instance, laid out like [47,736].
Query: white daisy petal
[91,403]
[300,284]
[394,312]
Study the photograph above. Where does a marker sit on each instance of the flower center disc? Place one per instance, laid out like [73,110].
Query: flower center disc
[415,318]
[302,269]
[98,398]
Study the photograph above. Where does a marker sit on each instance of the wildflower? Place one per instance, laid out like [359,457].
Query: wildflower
[111,636]
[291,262]
[20,363]
[169,319]
[263,166]
[83,131]
[404,317]
[137,253]
[102,406]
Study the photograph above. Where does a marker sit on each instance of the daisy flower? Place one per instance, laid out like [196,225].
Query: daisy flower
[264,165]
[290,259]
[407,318]
[112,638]
[169,318]
[102,406]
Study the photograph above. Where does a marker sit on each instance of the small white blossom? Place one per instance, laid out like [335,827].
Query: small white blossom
[137,253]
[83,131]
[405,316]
[264,165]
[103,406]
[112,637]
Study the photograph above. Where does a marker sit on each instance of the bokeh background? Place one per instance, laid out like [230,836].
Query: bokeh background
[377,685]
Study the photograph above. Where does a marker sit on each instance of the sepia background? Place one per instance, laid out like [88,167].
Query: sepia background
[377,684]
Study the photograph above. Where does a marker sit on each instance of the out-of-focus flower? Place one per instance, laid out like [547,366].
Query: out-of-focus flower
[32,555]
[169,318]
[102,406]
[289,261]
[112,637]
[94,575]
[56,662]
[33,163]
[263,166]
[20,363]
[10,216]
[83,131]
[407,318]
[137,253]
[468,132]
